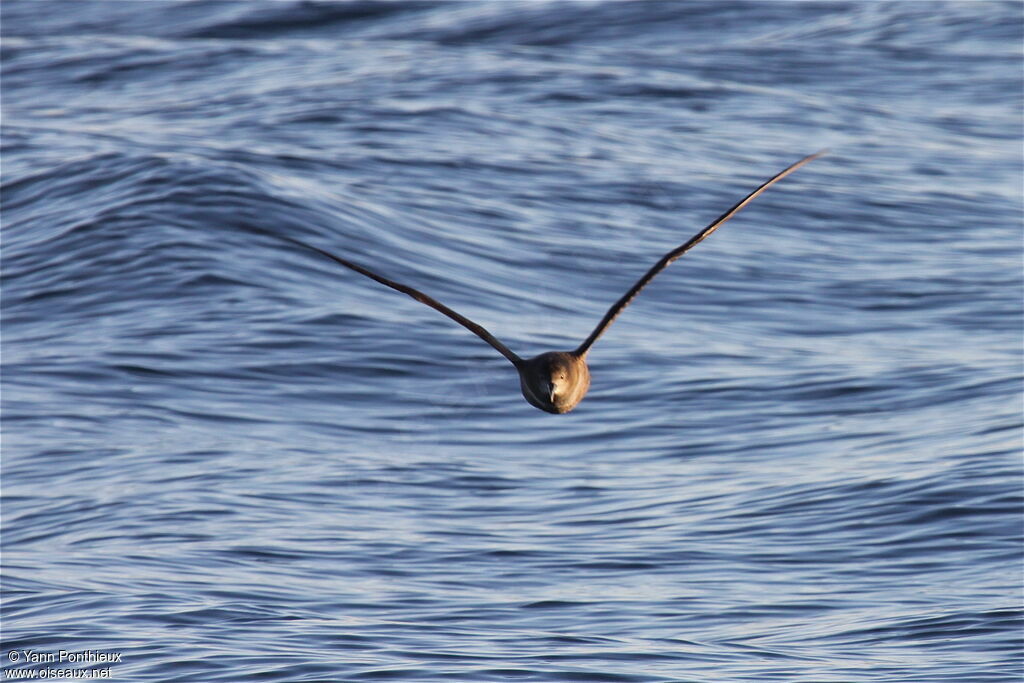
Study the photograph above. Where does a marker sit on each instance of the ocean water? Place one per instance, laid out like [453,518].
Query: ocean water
[226,458]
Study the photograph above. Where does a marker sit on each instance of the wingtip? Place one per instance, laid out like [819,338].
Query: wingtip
[807,159]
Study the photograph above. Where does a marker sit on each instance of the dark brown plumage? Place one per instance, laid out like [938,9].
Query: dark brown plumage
[557,381]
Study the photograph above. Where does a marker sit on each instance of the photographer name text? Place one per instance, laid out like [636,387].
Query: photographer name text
[64,657]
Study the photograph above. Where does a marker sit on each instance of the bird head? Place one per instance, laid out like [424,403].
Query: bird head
[554,381]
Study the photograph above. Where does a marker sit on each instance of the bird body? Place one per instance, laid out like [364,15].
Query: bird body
[556,381]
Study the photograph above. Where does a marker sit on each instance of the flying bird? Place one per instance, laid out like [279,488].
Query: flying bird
[556,381]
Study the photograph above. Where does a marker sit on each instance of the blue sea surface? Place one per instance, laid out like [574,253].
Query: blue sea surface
[227,458]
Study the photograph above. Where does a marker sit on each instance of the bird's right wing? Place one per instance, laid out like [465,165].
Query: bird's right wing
[419,296]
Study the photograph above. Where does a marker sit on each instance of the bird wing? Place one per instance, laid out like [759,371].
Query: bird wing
[419,296]
[671,256]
